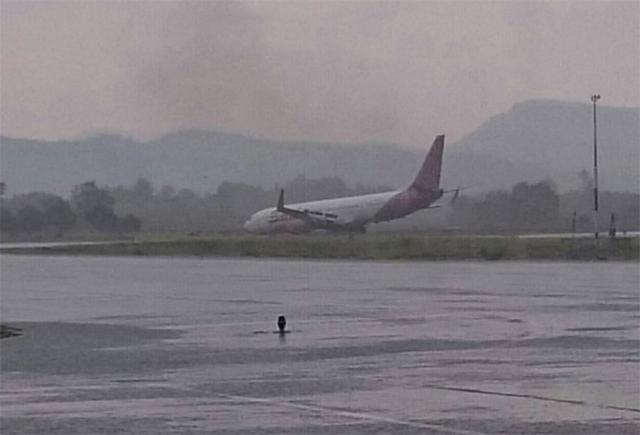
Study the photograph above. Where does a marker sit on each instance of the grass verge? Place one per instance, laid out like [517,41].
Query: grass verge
[379,247]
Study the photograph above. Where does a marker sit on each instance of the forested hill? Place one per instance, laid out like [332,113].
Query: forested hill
[534,140]
[558,136]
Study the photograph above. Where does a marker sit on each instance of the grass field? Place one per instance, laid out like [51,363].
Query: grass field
[377,247]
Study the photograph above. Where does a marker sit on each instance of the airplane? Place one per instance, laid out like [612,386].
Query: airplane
[352,214]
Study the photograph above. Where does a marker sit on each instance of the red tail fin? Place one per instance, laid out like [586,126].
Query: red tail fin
[429,176]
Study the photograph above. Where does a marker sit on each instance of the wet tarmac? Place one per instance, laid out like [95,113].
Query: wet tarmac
[187,346]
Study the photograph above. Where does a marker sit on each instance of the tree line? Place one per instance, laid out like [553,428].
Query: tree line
[141,206]
[537,207]
[89,208]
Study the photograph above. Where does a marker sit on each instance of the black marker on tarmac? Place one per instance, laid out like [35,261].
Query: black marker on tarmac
[282,323]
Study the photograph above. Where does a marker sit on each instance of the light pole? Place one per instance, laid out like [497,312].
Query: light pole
[594,99]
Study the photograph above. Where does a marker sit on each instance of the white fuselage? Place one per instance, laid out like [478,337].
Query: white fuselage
[357,210]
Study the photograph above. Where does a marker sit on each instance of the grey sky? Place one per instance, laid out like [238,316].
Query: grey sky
[337,71]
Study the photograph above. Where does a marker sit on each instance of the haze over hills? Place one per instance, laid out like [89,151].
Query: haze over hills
[534,140]
[558,136]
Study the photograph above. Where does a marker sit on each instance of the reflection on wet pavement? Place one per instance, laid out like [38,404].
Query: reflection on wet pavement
[151,346]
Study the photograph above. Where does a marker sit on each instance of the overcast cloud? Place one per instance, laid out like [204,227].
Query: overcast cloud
[335,71]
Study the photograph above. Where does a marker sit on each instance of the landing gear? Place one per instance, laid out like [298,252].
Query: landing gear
[358,230]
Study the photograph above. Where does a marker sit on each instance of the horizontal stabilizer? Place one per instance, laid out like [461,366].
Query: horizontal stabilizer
[456,192]
[455,195]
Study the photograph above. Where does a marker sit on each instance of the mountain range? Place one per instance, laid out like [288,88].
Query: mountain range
[533,141]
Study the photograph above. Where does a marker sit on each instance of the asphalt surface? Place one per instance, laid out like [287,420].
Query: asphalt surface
[148,346]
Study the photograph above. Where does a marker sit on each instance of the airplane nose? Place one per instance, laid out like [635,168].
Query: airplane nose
[249,226]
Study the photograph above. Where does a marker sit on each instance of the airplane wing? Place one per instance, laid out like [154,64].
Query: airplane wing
[300,214]
[317,218]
